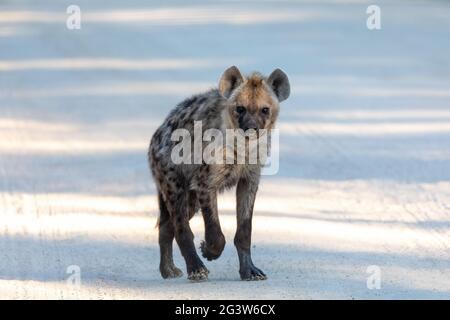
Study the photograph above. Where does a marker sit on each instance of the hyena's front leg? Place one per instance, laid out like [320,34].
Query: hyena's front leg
[185,238]
[245,194]
[214,242]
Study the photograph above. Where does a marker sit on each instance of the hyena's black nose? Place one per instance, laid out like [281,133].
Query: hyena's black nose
[247,122]
[250,125]
[254,127]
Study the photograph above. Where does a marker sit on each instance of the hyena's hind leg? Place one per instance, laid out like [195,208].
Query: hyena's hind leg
[166,236]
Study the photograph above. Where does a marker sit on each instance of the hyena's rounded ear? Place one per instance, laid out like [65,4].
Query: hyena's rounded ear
[279,83]
[230,80]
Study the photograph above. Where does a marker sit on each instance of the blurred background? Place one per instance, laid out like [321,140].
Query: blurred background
[365,145]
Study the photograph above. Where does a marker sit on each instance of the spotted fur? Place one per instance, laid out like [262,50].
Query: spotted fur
[184,189]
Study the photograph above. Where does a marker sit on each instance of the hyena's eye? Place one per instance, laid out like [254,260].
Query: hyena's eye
[240,109]
[265,110]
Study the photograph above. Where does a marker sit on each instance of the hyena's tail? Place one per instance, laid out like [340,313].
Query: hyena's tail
[163,212]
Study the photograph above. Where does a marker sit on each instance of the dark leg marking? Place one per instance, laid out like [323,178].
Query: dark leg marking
[166,235]
[214,242]
[185,238]
[246,193]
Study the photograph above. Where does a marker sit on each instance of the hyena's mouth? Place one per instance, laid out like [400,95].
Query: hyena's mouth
[252,134]
[249,134]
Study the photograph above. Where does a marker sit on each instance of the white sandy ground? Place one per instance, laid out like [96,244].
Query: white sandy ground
[365,146]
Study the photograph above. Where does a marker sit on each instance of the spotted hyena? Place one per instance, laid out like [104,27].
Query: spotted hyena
[239,102]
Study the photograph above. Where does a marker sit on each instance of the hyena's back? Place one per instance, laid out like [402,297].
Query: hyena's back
[207,108]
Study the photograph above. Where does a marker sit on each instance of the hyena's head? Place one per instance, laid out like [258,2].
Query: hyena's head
[253,101]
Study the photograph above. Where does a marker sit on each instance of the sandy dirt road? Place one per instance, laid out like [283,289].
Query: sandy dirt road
[364,175]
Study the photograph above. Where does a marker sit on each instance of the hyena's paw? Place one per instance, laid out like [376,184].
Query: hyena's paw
[252,273]
[169,272]
[212,252]
[199,274]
